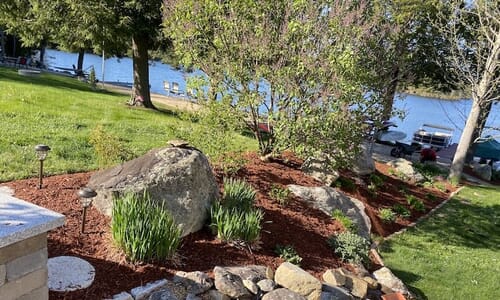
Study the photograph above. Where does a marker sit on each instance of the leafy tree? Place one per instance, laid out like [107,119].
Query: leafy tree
[289,66]
[410,48]
[475,58]
[112,25]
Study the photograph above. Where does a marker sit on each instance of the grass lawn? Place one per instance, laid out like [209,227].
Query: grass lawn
[62,112]
[455,254]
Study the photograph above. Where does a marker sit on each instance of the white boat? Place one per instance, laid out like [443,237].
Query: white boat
[435,136]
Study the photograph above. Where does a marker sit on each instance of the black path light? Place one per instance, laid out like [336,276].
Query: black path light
[41,152]
[86,194]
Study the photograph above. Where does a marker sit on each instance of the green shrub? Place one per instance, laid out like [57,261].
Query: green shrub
[238,194]
[431,196]
[232,224]
[387,215]
[231,163]
[279,194]
[350,247]
[440,186]
[429,171]
[288,253]
[108,148]
[348,224]
[376,180]
[144,231]
[401,211]
[372,190]
[345,183]
[415,203]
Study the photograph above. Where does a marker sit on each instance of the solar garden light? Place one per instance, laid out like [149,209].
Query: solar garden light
[86,194]
[41,152]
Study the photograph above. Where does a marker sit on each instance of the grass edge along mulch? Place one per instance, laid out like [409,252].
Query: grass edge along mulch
[454,253]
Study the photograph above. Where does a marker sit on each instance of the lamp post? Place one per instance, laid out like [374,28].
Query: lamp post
[86,194]
[41,152]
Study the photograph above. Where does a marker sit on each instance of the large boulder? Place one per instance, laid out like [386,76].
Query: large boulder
[179,179]
[404,167]
[328,199]
[319,169]
[364,164]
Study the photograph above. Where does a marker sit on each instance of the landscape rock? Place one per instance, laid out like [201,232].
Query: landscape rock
[372,283]
[364,164]
[122,296]
[318,169]
[269,273]
[297,280]
[143,292]
[482,170]
[164,294]
[386,278]
[216,295]
[178,179]
[282,294]
[251,286]
[195,282]
[193,297]
[334,277]
[230,284]
[405,167]
[335,292]
[328,199]
[266,285]
[357,286]
[253,273]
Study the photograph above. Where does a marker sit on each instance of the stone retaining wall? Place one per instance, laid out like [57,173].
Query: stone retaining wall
[23,269]
[23,248]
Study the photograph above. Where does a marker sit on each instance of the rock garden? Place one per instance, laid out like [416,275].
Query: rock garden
[270,228]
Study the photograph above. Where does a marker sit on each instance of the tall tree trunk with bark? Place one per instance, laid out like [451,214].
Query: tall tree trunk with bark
[140,91]
[478,131]
[465,141]
[390,93]
[81,55]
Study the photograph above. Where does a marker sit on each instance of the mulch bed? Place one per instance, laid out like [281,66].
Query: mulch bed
[294,224]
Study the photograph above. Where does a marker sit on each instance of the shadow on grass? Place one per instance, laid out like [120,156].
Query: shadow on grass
[50,80]
[409,278]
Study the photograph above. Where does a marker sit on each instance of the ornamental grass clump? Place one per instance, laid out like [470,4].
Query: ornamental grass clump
[238,194]
[144,231]
[234,218]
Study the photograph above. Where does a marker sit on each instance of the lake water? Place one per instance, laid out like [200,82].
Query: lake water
[419,110]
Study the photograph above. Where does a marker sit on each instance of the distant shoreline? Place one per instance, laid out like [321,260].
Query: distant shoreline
[451,96]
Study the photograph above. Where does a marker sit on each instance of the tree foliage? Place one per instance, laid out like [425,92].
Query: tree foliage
[289,66]
[410,48]
[110,25]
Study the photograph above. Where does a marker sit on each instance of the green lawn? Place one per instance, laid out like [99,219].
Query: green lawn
[61,112]
[455,254]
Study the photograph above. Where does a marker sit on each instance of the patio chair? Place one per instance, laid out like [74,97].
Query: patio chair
[166,86]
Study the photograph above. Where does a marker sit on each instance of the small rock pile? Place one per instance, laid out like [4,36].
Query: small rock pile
[289,282]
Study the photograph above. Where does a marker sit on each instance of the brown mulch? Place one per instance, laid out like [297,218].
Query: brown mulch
[295,224]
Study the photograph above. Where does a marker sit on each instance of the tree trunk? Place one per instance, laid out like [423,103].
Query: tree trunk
[457,165]
[81,55]
[389,94]
[42,51]
[478,131]
[140,91]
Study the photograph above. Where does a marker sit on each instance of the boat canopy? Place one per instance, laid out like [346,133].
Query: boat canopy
[487,148]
